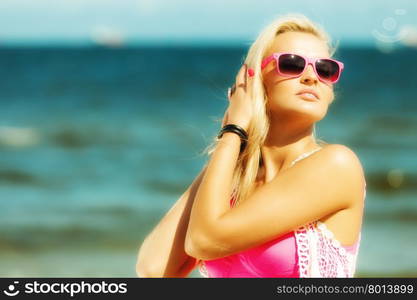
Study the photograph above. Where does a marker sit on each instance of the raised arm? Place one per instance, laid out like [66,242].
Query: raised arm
[162,252]
[329,181]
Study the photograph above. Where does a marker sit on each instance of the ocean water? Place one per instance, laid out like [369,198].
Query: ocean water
[96,144]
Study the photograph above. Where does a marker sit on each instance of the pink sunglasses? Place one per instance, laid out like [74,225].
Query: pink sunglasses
[293,65]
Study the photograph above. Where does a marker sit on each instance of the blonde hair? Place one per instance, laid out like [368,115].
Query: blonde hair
[248,163]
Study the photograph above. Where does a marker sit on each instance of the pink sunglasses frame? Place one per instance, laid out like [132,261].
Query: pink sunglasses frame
[309,61]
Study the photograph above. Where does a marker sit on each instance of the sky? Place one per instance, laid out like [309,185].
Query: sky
[136,22]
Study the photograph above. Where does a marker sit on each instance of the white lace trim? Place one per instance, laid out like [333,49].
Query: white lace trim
[303,252]
[320,254]
[203,270]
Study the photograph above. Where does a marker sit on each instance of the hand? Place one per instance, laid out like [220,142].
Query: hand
[240,109]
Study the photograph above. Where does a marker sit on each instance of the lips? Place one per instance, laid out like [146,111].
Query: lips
[305,93]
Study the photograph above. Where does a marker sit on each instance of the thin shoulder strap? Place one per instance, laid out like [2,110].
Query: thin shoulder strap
[304,155]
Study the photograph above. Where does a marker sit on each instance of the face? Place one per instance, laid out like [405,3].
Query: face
[283,101]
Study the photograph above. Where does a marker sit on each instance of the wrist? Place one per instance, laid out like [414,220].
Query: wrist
[237,123]
[228,135]
[237,131]
[232,139]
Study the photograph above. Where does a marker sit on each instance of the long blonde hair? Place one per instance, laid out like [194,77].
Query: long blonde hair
[248,163]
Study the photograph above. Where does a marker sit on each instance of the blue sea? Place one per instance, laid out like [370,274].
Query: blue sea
[96,144]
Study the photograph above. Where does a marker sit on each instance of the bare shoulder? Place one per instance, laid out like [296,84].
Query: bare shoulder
[340,168]
[347,165]
[342,156]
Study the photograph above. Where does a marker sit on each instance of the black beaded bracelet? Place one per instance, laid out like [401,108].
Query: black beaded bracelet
[238,130]
[234,128]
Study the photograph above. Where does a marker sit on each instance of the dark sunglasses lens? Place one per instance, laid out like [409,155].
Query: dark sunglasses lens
[327,69]
[291,64]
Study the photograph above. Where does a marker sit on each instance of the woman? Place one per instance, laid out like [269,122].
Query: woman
[297,204]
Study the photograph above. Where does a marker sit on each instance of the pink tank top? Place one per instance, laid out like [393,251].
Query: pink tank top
[290,255]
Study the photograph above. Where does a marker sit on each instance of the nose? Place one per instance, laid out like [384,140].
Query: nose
[309,75]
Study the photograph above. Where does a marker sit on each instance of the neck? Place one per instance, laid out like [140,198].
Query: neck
[284,143]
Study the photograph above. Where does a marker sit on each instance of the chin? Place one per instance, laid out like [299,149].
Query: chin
[312,113]
[314,110]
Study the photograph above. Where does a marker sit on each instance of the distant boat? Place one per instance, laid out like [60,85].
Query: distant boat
[107,36]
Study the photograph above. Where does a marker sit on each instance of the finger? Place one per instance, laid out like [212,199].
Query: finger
[246,75]
[246,78]
[240,78]
[250,77]
[232,90]
[240,73]
[251,72]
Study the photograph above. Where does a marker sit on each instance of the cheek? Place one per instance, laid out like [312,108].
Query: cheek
[328,95]
[278,88]
[276,97]
[279,100]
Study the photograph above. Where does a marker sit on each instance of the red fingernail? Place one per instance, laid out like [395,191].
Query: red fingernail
[251,72]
